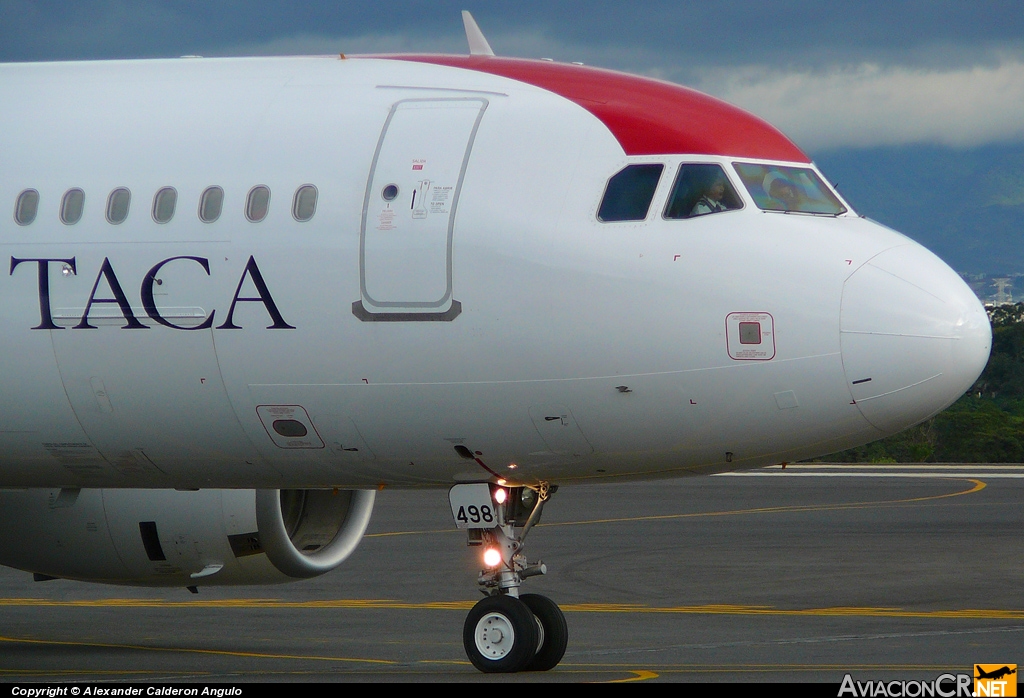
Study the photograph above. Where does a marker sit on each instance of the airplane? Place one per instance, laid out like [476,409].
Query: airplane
[995,674]
[243,295]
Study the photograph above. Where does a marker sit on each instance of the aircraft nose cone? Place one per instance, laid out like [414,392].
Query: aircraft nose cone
[914,337]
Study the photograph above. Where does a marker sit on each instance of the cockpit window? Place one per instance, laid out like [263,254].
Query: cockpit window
[629,192]
[791,189]
[700,190]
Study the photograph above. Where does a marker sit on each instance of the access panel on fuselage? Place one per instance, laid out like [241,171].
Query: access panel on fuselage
[408,222]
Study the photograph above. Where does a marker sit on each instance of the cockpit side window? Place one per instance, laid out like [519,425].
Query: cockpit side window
[789,189]
[701,189]
[629,193]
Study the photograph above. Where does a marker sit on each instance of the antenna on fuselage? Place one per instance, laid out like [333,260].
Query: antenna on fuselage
[478,45]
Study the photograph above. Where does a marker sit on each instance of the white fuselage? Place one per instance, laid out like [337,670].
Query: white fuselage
[580,349]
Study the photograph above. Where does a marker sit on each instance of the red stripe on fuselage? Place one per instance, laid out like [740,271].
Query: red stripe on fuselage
[648,117]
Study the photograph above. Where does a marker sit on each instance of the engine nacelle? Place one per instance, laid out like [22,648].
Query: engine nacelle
[172,538]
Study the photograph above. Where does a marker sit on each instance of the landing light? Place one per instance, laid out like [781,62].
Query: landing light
[500,495]
[492,557]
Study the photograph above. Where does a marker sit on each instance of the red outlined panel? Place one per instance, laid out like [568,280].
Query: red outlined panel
[647,116]
[750,336]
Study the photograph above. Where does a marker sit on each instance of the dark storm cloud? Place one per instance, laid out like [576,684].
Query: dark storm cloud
[829,74]
[705,33]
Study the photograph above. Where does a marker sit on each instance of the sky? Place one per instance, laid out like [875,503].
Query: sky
[829,74]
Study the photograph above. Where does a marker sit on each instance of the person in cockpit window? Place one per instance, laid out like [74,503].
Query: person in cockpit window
[783,191]
[711,201]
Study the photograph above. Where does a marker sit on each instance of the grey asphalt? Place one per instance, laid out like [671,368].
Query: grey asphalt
[798,575]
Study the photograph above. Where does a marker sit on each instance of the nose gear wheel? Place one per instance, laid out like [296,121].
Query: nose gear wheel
[500,635]
[554,632]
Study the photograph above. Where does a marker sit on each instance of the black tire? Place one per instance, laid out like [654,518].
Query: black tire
[500,635]
[555,632]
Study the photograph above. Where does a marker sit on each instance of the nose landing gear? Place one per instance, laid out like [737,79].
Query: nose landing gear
[506,632]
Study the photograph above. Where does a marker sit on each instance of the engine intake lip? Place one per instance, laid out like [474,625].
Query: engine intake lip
[281,525]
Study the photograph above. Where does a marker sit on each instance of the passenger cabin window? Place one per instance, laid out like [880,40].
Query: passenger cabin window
[72,206]
[26,207]
[304,205]
[629,192]
[700,190]
[117,205]
[163,204]
[789,189]
[211,203]
[257,204]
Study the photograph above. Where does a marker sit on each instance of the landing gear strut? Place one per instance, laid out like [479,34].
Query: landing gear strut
[506,632]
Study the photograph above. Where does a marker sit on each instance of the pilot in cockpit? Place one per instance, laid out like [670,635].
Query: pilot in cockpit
[711,201]
[783,191]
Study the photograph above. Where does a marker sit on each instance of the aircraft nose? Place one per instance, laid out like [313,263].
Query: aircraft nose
[914,337]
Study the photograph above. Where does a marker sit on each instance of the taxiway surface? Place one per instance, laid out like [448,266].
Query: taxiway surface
[892,572]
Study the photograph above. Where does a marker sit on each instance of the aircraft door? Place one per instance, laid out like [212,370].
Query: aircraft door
[405,245]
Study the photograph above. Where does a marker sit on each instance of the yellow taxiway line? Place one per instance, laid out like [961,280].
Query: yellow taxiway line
[393,605]
[188,650]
